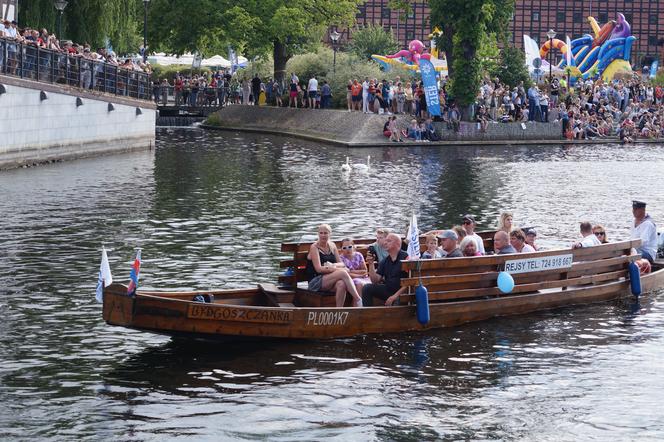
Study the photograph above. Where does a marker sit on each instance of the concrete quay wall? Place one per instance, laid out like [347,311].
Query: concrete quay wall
[50,122]
[355,129]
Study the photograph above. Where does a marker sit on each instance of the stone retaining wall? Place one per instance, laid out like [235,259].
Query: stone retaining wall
[45,122]
[358,129]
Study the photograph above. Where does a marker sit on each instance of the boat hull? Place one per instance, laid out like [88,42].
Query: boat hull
[179,316]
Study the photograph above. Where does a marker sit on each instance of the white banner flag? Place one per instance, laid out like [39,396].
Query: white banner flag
[105,276]
[414,239]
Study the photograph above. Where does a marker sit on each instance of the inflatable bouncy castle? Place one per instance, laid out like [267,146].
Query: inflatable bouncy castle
[410,58]
[603,54]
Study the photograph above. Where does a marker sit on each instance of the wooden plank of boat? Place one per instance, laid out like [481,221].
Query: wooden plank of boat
[269,311]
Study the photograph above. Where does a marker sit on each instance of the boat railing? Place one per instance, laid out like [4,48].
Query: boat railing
[29,61]
[473,277]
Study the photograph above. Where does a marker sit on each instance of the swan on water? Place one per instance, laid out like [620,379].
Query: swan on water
[361,166]
[346,167]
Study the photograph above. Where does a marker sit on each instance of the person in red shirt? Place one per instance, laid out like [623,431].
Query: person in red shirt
[356,94]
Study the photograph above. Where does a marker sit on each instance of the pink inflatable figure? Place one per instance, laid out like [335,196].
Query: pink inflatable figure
[413,54]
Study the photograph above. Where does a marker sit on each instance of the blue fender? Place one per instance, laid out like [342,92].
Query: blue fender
[635,279]
[422,304]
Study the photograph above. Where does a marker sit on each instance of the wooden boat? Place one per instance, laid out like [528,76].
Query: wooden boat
[461,290]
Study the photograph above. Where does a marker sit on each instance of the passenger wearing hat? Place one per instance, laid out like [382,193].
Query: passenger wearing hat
[644,228]
[450,243]
[469,225]
[531,234]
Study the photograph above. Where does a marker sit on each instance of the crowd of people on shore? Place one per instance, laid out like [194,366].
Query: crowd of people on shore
[40,55]
[628,107]
[347,271]
[42,39]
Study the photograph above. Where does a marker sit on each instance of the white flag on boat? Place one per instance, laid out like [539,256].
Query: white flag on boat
[413,239]
[105,277]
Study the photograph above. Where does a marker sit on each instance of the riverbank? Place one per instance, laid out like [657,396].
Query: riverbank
[356,129]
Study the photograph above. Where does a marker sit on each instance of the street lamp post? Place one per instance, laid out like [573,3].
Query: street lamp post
[551,34]
[60,5]
[334,36]
[145,31]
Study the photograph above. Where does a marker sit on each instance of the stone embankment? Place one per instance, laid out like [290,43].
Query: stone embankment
[42,122]
[355,129]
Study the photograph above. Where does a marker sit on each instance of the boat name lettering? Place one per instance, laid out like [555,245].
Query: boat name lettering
[236,314]
[327,318]
[539,264]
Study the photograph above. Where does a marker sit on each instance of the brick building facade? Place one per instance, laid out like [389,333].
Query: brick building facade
[535,18]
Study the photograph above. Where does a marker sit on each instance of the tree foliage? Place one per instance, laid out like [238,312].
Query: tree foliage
[512,67]
[252,27]
[372,39]
[89,21]
[464,24]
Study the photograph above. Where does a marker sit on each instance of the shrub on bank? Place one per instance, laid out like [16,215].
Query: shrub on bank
[348,67]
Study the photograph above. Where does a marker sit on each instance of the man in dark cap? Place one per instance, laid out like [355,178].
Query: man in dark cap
[469,225]
[644,228]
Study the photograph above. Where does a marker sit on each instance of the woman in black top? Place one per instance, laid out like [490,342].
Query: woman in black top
[326,272]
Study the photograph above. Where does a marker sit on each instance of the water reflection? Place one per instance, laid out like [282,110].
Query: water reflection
[210,210]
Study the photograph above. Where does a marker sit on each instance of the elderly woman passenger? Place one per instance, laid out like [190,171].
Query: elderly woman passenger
[326,272]
[468,247]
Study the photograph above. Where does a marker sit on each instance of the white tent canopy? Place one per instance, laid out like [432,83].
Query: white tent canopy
[162,59]
[215,61]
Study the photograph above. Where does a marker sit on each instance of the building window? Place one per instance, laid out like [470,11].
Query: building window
[603,17]
[386,13]
[561,16]
[410,34]
[577,17]
[628,17]
[535,16]
[652,19]
[652,40]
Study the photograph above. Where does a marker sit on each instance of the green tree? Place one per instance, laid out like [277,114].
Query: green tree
[89,21]
[464,24]
[370,40]
[252,27]
[512,69]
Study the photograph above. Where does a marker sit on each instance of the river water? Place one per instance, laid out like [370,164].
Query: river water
[209,210]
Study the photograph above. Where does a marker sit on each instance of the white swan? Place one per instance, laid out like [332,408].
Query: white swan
[363,167]
[346,167]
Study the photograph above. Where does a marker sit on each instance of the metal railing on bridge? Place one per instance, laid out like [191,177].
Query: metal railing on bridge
[48,66]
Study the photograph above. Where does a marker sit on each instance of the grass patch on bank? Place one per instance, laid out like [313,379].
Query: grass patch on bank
[213,120]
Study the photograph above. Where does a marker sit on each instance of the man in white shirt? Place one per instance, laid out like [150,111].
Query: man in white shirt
[589,238]
[365,95]
[312,90]
[469,226]
[644,228]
